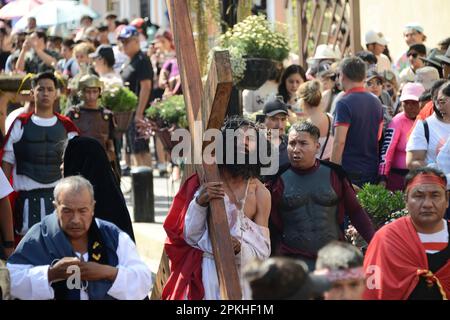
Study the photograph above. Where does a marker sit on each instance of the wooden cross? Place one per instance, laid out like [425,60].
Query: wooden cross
[208,105]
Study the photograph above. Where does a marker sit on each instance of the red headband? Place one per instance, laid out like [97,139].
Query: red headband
[426,178]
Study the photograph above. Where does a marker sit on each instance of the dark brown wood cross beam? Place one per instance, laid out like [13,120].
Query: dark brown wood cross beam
[209,105]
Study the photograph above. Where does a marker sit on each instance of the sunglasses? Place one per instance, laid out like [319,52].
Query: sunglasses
[374,83]
[414,55]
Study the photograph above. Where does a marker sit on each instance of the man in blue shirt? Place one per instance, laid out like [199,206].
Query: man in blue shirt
[358,125]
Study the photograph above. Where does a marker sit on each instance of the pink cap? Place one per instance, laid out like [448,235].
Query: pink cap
[412,91]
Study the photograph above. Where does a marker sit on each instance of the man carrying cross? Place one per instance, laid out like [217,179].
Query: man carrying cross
[247,206]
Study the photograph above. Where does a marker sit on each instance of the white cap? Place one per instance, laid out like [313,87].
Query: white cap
[325,51]
[376,37]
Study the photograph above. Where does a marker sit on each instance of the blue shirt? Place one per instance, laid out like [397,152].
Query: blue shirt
[362,113]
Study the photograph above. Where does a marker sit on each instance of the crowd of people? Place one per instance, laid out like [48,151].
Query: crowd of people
[342,123]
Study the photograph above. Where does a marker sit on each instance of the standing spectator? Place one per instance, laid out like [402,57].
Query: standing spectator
[359,117]
[138,75]
[31,25]
[40,59]
[393,154]
[103,35]
[254,100]
[291,79]
[112,25]
[426,76]
[67,64]
[310,97]
[103,61]
[445,62]
[413,34]
[276,113]
[428,137]
[374,84]
[18,39]
[33,154]
[415,52]
[85,22]
[390,85]
[376,43]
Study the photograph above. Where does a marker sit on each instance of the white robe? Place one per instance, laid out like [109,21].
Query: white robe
[254,239]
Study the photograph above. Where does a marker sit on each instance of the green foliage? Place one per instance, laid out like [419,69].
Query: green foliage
[255,37]
[119,99]
[381,204]
[169,111]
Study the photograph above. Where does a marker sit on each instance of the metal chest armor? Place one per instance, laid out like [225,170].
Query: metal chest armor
[309,210]
[39,152]
[93,123]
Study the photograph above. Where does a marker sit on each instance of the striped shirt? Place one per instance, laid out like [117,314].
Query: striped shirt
[435,242]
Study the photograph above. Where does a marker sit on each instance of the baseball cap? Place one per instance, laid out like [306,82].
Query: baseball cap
[375,37]
[426,76]
[414,26]
[373,74]
[274,107]
[412,91]
[283,278]
[103,51]
[127,32]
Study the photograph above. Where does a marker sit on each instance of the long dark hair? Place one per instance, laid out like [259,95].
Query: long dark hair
[292,69]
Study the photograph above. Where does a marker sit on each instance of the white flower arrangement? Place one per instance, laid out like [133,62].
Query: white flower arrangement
[254,37]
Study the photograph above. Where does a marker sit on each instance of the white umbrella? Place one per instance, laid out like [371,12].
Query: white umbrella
[56,12]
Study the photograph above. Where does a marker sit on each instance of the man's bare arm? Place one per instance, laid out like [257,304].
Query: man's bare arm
[339,144]
[416,159]
[263,205]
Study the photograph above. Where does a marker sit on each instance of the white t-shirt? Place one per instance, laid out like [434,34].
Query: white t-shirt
[439,134]
[5,187]
[383,64]
[22,182]
[254,100]
[111,79]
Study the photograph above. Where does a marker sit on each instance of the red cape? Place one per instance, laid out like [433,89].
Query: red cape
[397,258]
[185,280]
[24,118]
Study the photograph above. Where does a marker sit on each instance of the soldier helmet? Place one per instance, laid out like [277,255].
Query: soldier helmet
[89,81]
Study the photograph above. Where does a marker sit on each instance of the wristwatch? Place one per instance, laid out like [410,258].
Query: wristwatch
[8,244]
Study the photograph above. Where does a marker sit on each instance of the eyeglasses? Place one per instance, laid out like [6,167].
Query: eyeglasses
[414,55]
[374,83]
[442,101]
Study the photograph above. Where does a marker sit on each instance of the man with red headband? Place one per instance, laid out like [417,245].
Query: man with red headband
[409,258]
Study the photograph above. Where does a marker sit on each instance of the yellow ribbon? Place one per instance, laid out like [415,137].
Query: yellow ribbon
[430,277]
[22,83]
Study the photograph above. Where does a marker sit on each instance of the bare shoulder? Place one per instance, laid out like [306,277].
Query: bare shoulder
[262,192]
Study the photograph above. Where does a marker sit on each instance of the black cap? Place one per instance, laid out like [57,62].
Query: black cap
[274,107]
[282,278]
[419,48]
[104,51]
[102,27]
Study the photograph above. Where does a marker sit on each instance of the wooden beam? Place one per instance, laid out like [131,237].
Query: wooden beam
[215,99]
[355,26]
[301,25]
[186,56]
[320,26]
[208,105]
